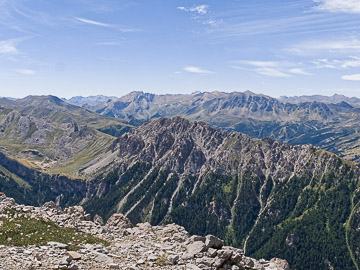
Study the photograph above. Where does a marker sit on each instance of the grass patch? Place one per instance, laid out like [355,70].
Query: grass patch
[95,148]
[18,230]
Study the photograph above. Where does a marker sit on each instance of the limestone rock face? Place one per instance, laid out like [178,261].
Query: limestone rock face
[131,247]
[183,147]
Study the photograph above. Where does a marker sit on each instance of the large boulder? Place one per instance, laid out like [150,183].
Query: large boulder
[120,221]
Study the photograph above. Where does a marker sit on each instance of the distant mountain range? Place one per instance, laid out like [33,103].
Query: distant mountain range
[90,100]
[331,126]
[336,98]
[270,198]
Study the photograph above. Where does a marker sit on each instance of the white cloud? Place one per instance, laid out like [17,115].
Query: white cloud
[93,22]
[238,67]
[353,77]
[299,71]
[321,46]
[267,68]
[200,9]
[26,71]
[262,64]
[273,68]
[271,72]
[7,47]
[343,6]
[116,27]
[197,70]
[212,22]
[325,63]
[351,62]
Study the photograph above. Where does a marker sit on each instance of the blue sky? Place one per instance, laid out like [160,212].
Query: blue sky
[112,47]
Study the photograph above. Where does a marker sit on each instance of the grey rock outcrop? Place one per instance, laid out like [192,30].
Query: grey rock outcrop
[131,247]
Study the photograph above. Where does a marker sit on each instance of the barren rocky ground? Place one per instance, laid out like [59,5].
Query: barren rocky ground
[127,247]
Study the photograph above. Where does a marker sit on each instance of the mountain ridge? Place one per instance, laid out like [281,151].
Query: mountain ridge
[233,186]
[333,127]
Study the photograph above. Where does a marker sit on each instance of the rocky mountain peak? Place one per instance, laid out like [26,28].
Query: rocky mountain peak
[178,145]
[174,143]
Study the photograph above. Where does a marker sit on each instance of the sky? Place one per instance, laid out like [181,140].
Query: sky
[112,47]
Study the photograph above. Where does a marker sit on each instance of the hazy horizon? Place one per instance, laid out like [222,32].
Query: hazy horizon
[96,95]
[80,48]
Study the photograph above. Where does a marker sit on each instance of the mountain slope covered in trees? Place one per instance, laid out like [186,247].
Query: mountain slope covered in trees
[272,199]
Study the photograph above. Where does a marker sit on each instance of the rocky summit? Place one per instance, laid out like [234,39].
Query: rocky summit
[123,245]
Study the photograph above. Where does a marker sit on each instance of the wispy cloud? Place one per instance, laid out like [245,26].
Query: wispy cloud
[8,47]
[112,42]
[266,68]
[353,62]
[353,77]
[299,71]
[271,72]
[343,6]
[199,10]
[262,64]
[26,71]
[212,22]
[272,68]
[197,70]
[106,25]
[93,22]
[316,46]
[325,63]
[201,14]
[350,62]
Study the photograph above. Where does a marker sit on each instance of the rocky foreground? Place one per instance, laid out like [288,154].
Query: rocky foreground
[130,247]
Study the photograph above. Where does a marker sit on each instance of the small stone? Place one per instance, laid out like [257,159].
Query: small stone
[98,220]
[74,255]
[99,257]
[212,252]
[38,256]
[248,262]
[191,266]
[27,252]
[173,258]
[57,245]
[140,261]
[196,238]
[73,267]
[65,260]
[113,266]
[152,257]
[196,247]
